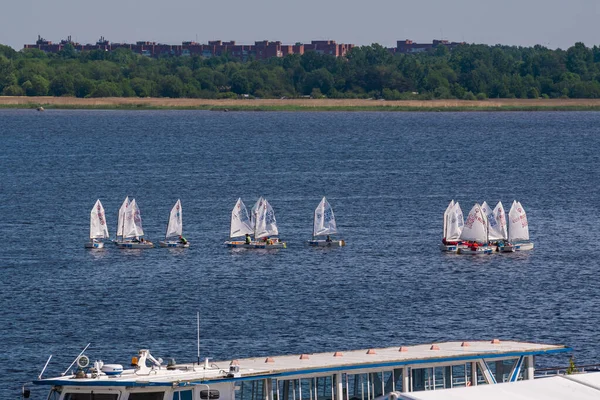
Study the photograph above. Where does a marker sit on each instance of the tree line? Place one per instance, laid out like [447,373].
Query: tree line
[467,72]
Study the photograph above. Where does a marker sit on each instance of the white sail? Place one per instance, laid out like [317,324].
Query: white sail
[324,221]
[240,221]
[137,218]
[266,224]
[518,227]
[446,214]
[454,223]
[475,228]
[121,219]
[129,226]
[98,228]
[497,223]
[493,227]
[254,210]
[175,225]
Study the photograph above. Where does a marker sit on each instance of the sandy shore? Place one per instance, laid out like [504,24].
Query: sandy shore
[111,102]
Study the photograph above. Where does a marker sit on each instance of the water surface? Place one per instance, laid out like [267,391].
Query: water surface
[388,177]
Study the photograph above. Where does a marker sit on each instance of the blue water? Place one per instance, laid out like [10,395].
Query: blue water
[388,177]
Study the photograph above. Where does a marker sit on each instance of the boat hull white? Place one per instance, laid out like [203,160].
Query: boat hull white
[523,246]
[255,245]
[94,245]
[507,248]
[475,251]
[325,243]
[451,248]
[173,244]
[135,245]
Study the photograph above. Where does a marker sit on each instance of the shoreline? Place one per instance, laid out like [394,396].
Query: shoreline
[129,103]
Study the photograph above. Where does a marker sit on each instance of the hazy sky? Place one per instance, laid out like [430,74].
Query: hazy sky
[552,23]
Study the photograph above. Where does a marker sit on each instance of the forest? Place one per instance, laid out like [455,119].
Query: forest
[468,72]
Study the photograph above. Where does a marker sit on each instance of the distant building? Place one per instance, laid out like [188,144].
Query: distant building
[408,46]
[260,50]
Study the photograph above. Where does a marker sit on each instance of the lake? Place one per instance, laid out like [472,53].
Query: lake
[388,176]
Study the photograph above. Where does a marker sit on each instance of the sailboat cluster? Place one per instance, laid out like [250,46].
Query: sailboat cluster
[259,228]
[486,230]
[130,233]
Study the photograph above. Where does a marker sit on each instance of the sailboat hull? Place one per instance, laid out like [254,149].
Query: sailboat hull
[325,243]
[477,251]
[255,245]
[451,248]
[523,246]
[94,245]
[135,245]
[173,244]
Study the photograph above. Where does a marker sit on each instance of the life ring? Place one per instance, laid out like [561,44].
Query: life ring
[468,383]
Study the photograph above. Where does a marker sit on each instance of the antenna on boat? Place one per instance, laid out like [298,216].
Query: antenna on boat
[75,360]
[45,366]
[198,331]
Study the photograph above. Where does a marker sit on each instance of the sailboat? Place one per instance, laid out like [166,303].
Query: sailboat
[475,231]
[453,226]
[173,237]
[241,225]
[324,225]
[98,228]
[131,230]
[121,220]
[497,231]
[518,228]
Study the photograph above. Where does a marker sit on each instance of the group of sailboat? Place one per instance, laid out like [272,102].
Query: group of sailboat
[259,228]
[485,230]
[130,233]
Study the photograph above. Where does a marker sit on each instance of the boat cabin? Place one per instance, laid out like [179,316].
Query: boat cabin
[368,374]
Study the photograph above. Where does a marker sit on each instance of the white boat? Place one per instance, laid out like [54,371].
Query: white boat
[453,226]
[518,228]
[497,228]
[368,374]
[324,225]
[98,228]
[174,235]
[475,232]
[131,230]
[241,226]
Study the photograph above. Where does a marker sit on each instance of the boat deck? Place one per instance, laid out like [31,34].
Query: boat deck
[319,363]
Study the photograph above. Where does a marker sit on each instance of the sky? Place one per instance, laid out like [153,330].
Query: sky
[551,23]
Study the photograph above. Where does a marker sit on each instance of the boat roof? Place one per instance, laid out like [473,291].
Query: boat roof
[295,366]
[580,387]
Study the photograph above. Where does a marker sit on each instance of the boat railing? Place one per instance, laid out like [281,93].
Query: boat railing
[552,371]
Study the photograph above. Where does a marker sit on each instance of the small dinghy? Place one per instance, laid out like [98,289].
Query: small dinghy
[324,225]
[131,228]
[475,233]
[453,226]
[518,228]
[240,226]
[174,236]
[497,232]
[265,226]
[98,228]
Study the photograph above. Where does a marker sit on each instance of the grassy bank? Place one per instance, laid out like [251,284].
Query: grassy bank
[300,104]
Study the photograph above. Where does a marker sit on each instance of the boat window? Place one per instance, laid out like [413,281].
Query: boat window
[183,395]
[54,394]
[146,396]
[209,394]
[91,396]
